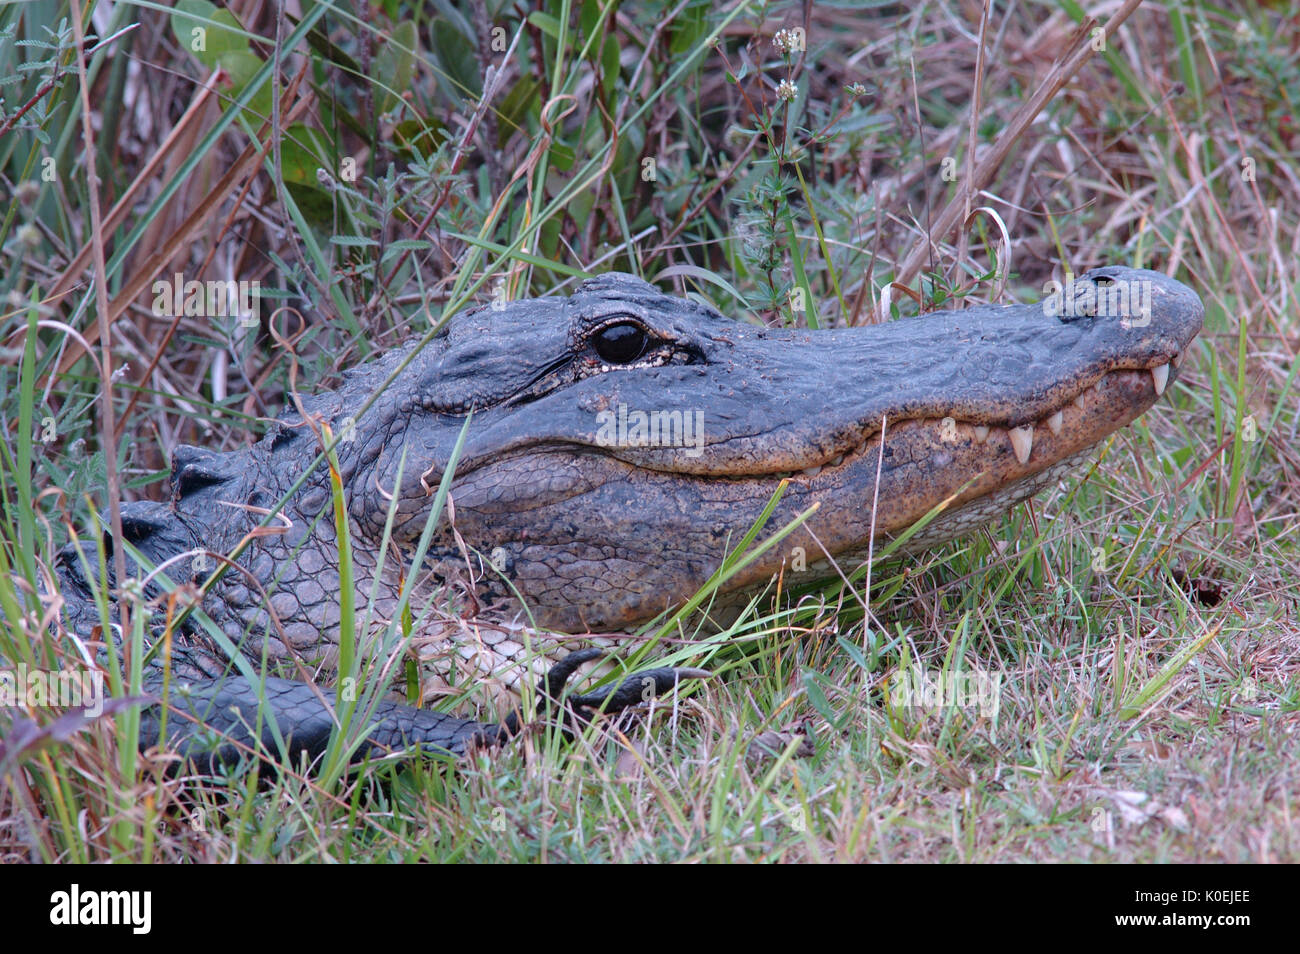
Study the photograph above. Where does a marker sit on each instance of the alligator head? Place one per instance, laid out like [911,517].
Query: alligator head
[622,440]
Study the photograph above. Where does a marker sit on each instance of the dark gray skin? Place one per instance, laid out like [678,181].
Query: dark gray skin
[998,400]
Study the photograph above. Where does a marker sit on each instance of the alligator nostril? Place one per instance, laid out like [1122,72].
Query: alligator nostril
[194,468]
[142,519]
[1103,280]
[135,529]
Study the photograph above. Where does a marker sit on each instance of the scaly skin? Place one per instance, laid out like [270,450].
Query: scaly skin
[985,405]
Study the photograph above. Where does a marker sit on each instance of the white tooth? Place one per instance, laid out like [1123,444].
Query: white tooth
[1022,441]
[812,471]
[837,460]
[1056,421]
[1178,359]
[981,433]
[1160,376]
[1081,402]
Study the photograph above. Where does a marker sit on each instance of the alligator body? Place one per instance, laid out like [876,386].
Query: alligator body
[619,441]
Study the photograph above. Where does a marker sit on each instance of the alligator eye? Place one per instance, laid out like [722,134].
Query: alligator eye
[622,343]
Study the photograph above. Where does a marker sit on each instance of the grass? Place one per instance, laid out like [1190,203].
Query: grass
[1139,622]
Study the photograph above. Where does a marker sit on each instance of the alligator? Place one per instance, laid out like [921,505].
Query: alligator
[607,451]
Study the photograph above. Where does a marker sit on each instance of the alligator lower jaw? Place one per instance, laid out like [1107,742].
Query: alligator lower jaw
[976,470]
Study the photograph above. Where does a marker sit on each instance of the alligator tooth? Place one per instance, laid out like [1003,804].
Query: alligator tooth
[1022,441]
[981,433]
[812,471]
[837,460]
[1055,422]
[1160,376]
[1177,360]
[1081,402]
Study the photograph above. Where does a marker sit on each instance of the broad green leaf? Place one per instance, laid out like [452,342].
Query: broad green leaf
[518,105]
[395,63]
[546,23]
[609,63]
[302,152]
[459,77]
[422,136]
[207,32]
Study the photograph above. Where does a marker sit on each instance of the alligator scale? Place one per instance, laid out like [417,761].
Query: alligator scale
[566,497]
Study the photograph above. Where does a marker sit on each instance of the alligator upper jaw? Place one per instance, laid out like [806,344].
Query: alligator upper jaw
[1044,381]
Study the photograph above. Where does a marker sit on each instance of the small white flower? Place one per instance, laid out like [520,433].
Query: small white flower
[788,41]
[29,235]
[787,90]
